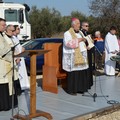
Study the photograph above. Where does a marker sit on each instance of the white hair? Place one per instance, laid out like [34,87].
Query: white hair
[97,32]
[72,23]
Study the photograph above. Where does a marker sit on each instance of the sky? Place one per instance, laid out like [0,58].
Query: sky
[65,7]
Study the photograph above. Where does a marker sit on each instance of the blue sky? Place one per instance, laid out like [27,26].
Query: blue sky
[65,7]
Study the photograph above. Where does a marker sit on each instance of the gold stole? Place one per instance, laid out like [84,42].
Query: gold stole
[79,60]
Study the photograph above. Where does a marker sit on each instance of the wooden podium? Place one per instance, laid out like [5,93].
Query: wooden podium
[52,68]
[33,112]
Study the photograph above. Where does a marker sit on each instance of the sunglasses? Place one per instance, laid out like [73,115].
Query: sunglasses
[12,30]
[86,25]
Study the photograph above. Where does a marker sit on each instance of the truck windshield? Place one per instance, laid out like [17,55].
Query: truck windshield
[11,15]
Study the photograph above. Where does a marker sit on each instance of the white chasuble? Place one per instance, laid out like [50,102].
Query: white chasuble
[11,44]
[5,64]
[23,77]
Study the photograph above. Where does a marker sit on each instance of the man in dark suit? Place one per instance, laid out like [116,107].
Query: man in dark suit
[91,63]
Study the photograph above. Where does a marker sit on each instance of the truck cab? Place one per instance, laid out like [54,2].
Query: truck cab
[17,14]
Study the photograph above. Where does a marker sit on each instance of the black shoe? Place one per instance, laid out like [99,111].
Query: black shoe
[80,92]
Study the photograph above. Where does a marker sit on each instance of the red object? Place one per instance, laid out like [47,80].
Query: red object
[73,19]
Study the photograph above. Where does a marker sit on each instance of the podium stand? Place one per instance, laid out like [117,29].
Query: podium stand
[52,68]
[33,112]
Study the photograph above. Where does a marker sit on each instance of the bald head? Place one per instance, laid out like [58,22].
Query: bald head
[9,30]
[75,23]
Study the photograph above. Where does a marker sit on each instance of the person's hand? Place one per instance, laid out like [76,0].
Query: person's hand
[81,39]
[113,52]
[90,35]
[88,48]
[23,49]
[17,60]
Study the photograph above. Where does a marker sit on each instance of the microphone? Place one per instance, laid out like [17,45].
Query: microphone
[12,49]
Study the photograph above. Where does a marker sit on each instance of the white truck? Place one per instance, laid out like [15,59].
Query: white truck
[17,14]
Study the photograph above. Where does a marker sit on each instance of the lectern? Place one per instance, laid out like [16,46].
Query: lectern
[33,112]
[52,68]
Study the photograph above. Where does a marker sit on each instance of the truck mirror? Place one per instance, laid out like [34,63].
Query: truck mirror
[25,37]
[21,27]
[21,16]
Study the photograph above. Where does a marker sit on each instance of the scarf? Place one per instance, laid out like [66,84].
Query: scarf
[79,60]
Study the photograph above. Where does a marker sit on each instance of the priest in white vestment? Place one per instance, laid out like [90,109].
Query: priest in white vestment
[5,72]
[23,77]
[111,48]
[8,37]
[75,61]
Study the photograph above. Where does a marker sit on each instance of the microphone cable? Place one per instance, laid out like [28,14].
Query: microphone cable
[112,102]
